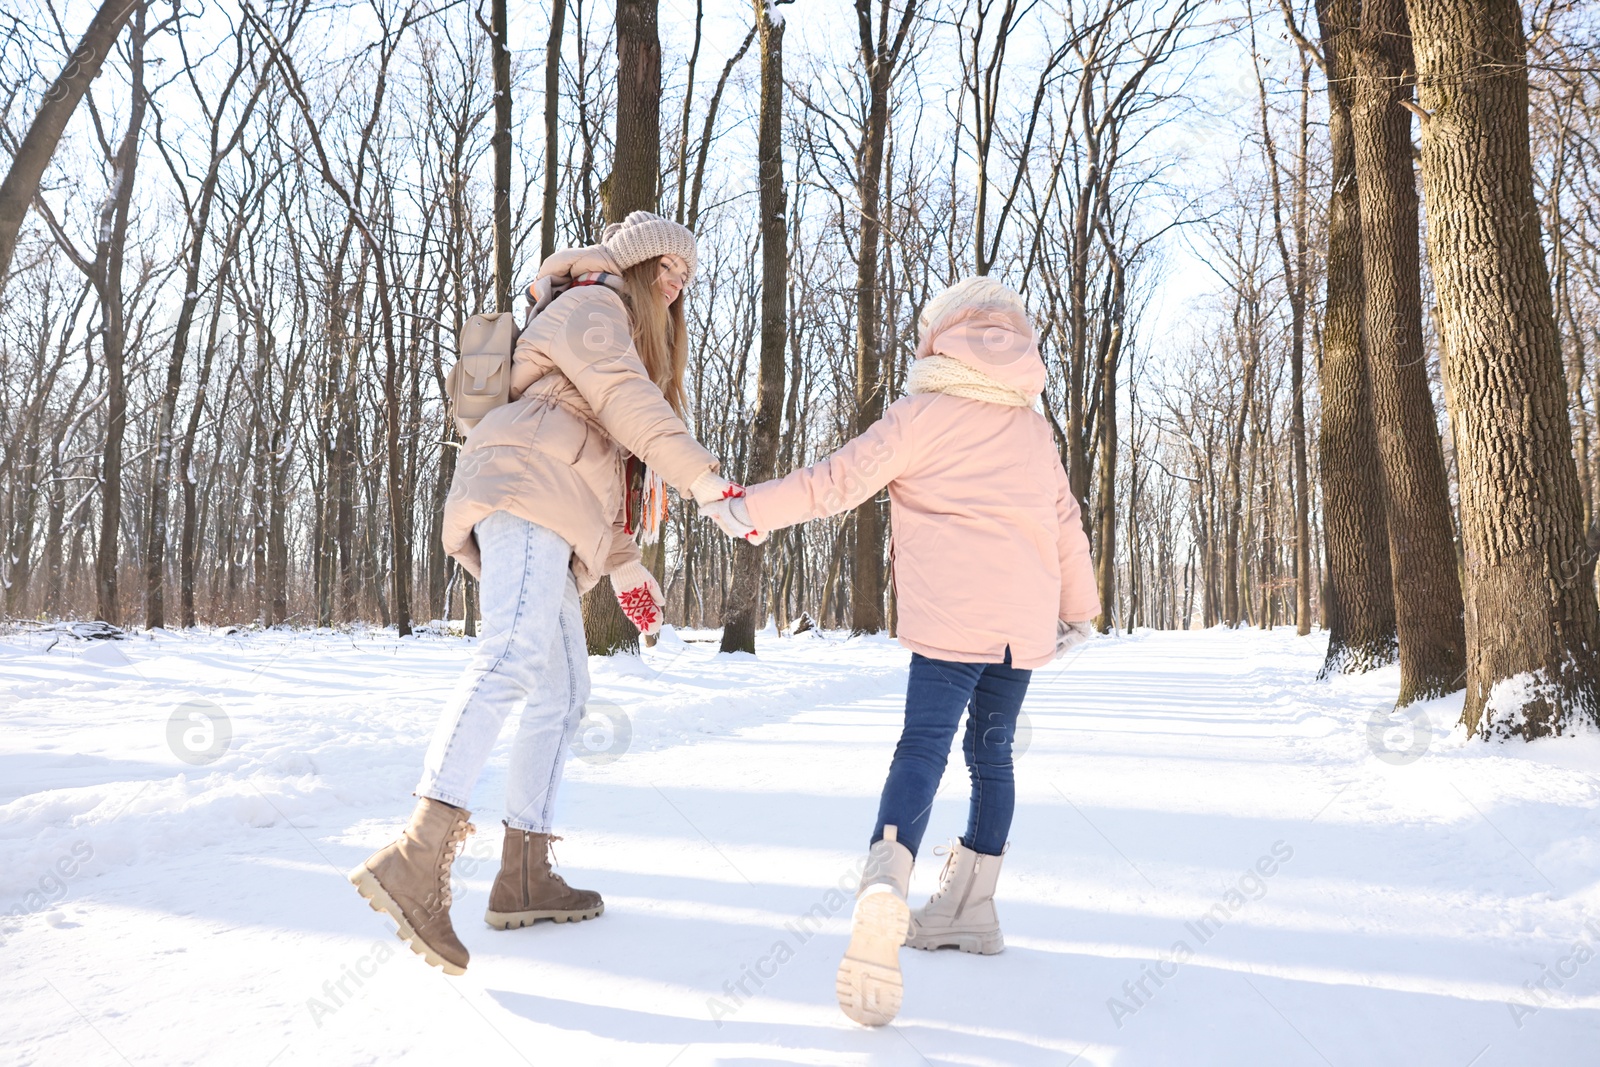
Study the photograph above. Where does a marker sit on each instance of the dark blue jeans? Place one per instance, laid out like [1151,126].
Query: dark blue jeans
[938,695]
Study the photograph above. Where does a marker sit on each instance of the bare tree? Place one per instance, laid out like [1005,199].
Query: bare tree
[198,210]
[882,44]
[1531,626]
[741,616]
[633,185]
[1361,606]
[1422,555]
[33,155]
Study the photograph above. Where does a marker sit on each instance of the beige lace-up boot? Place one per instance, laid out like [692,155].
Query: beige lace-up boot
[409,880]
[527,890]
[868,984]
[961,913]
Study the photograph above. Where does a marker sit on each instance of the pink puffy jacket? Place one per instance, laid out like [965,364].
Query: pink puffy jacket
[988,550]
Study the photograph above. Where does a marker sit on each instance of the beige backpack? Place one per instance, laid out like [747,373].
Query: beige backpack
[481,379]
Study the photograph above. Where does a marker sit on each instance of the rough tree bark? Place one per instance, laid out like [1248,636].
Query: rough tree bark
[1530,625]
[632,185]
[1422,557]
[635,176]
[1360,594]
[880,55]
[740,617]
[60,101]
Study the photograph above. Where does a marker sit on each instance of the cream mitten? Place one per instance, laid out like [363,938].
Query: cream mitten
[640,596]
[1069,635]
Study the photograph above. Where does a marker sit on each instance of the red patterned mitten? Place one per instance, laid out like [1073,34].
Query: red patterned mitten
[640,596]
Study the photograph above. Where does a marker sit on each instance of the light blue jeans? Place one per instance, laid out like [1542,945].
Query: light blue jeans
[532,651]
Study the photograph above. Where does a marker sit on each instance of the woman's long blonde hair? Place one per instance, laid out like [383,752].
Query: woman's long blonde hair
[660,334]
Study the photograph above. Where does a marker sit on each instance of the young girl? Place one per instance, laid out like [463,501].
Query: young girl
[539,509]
[992,579]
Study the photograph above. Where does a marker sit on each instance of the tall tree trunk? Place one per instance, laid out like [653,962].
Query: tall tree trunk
[501,141]
[1422,558]
[1105,522]
[1232,601]
[1078,337]
[879,57]
[632,185]
[60,101]
[693,218]
[740,616]
[114,338]
[552,128]
[1297,359]
[1295,282]
[679,204]
[1531,626]
[1360,597]
[634,181]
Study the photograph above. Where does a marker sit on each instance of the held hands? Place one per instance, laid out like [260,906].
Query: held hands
[711,487]
[1069,635]
[721,501]
[733,519]
[640,596]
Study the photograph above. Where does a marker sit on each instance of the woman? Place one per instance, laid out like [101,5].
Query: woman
[539,510]
[992,579]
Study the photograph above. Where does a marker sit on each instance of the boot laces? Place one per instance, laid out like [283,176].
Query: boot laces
[447,858]
[550,871]
[948,872]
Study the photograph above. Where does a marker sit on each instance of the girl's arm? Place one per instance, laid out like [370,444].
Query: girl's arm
[851,475]
[1080,597]
[586,334]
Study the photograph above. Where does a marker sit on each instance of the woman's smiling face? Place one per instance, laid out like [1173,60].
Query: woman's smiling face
[673,277]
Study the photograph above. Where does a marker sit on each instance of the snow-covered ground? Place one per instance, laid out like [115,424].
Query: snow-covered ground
[1216,860]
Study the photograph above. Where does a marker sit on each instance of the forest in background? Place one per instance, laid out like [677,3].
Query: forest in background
[232,303]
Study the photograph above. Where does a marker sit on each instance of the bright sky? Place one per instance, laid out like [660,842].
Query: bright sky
[1202,138]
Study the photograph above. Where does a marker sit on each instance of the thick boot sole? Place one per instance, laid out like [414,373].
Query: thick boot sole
[379,900]
[983,943]
[515,920]
[868,984]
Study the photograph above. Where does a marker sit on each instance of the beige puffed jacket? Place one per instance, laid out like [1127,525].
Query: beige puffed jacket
[557,454]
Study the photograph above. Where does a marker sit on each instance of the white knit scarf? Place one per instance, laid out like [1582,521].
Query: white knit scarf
[945,374]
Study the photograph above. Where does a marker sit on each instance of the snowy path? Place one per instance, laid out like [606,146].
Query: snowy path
[171,914]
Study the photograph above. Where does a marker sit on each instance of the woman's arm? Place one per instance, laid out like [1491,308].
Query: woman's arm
[586,334]
[851,475]
[624,548]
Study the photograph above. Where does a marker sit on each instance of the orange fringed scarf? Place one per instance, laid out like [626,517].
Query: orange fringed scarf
[646,510]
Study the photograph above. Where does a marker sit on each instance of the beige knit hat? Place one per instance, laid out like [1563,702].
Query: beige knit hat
[979,291]
[644,235]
